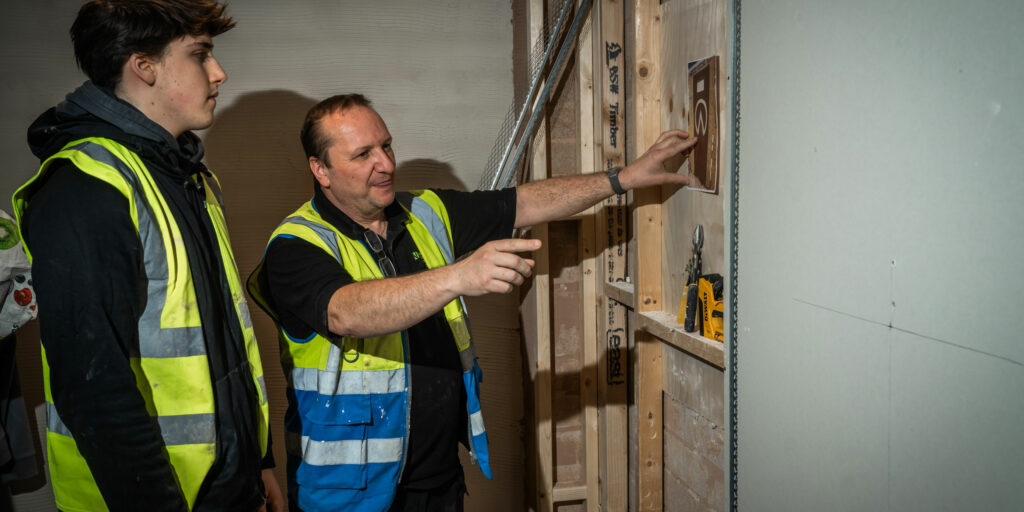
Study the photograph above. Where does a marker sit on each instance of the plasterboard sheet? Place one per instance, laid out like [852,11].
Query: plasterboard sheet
[879,247]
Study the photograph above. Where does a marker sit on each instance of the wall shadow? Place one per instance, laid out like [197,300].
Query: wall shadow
[254,149]
[422,173]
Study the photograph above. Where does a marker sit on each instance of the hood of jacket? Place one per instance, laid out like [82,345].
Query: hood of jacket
[93,111]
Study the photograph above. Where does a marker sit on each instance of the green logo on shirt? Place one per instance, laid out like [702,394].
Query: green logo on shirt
[415,255]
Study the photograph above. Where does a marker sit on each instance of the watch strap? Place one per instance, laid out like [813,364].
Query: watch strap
[613,178]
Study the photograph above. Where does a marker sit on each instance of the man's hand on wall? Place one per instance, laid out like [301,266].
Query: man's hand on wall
[658,165]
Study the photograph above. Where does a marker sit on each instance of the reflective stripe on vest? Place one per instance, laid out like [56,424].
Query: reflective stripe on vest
[352,451]
[170,363]
[176,430]
[348,382]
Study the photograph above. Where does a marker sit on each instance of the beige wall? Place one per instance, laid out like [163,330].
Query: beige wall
[440,73]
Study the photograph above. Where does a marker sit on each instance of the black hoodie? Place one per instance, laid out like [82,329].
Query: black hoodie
[91,286]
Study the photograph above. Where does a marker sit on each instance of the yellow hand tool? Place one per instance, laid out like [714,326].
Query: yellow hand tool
[709,288]
[688,304]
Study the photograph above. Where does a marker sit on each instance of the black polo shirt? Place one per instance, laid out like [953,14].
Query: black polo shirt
[302,278]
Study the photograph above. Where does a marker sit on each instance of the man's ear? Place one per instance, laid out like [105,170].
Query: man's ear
[142,67]
[319,170]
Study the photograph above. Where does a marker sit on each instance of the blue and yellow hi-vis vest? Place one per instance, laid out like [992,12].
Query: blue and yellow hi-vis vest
[170,364]
[347,418]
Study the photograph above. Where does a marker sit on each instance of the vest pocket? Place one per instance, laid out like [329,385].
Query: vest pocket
[341,398]
[341,410]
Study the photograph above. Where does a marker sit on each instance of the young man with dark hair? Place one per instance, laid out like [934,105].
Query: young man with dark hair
[365,285]
[154,385]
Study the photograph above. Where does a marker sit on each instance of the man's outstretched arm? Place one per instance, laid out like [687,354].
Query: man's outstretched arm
[542,201]
[307,285]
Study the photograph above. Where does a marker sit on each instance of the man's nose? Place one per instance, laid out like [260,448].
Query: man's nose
[384,161]
[217,73]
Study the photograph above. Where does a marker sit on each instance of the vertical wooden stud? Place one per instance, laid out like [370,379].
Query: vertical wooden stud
[542,287]
[611,230]
[649,421]
[587,257]
[647,217]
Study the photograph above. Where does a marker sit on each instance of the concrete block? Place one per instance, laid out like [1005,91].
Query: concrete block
[678,497]
[685,463]
[695,383]
[695,431]
[569,456]
[693,458]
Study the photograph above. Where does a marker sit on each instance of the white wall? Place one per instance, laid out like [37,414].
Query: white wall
[881,363]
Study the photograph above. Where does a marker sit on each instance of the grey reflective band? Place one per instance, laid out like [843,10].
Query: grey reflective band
[348,382]
[154,341]
[434,226]
[243,309]
[356,451]
[476,424]
[53,422]
[333,358]
[263,388]
[157,343]
[175,430]
[467,358]
[321,231]
[188,429]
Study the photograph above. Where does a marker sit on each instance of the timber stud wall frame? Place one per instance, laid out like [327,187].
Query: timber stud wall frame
[626,442]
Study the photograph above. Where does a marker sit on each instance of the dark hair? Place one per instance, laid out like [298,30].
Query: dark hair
[107,32]
[315,143]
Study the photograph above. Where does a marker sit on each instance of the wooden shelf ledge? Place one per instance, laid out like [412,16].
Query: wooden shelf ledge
[566,493]
[663,325]
[621,293]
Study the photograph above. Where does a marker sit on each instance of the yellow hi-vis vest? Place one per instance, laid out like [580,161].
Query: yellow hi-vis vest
[346,423]
[171,367]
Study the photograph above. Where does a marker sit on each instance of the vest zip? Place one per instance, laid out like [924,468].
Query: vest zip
[408,404]
[408,375]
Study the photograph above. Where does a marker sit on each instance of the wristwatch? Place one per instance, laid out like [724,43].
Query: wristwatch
[613,178]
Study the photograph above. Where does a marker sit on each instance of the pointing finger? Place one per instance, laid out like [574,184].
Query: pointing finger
[516,245]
